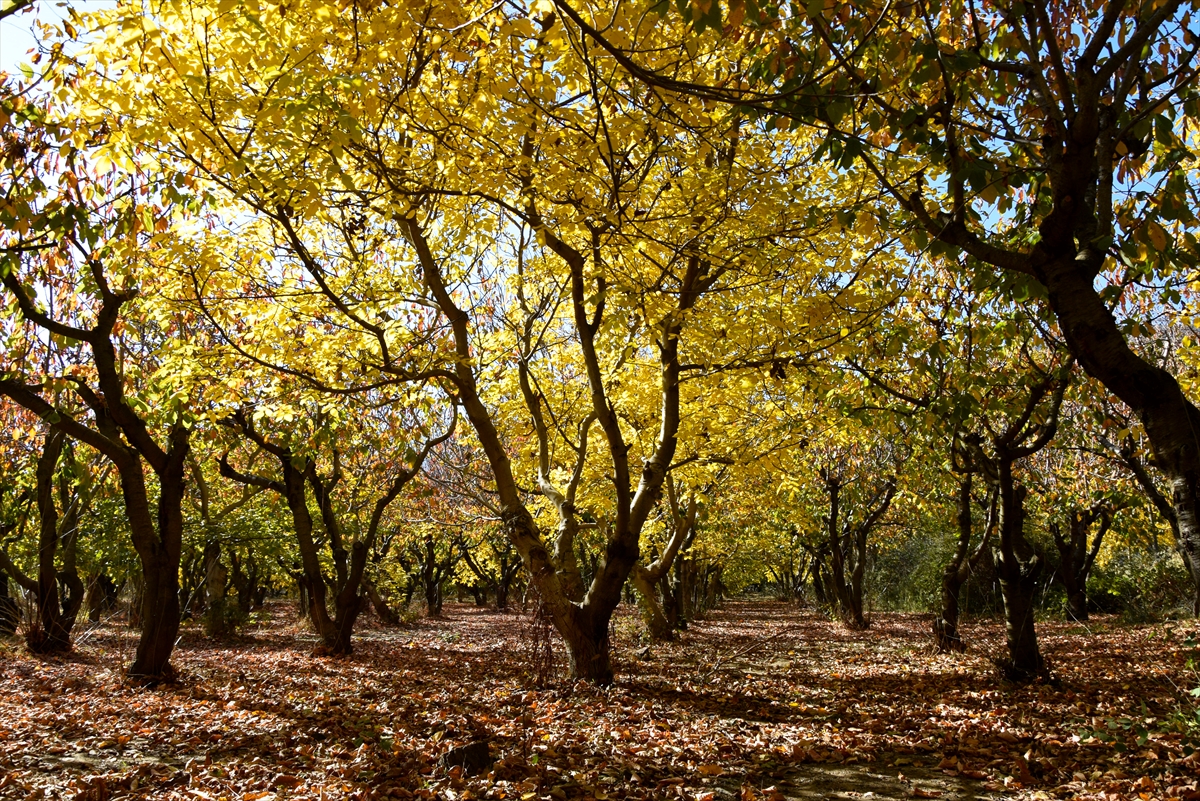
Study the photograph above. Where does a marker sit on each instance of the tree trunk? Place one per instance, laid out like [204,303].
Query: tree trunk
[52,636]
[847,547]
[101,596]
[1076,555]
[159,617]
[656,621]
[348,603]
[72,503]
[218,622]
[669,588]
[647,579]
[839,544]
[946,635]
[588,647]
[1129,456]
[1018,568]
[348,606]
[137,587]
[946,638]
[819,581]
[385,612]
[159,551]
[10,614]
[245,581]
[302,601]
[714,591]
[431,579]
[312,577]
[1170,419]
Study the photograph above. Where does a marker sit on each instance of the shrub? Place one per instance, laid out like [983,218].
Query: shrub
[223,618]
[1140,585]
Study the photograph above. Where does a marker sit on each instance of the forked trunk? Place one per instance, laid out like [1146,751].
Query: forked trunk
[946,638]
[1077,554]
[54,633]
[669,587]
[348,607]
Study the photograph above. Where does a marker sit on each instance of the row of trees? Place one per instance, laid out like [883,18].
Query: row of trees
[598,281]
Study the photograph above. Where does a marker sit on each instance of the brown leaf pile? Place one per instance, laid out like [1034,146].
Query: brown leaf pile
[759,702]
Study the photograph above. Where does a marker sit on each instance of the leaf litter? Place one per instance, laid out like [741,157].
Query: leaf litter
[759,701]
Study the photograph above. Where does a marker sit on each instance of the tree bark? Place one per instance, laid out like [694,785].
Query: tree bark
[54,634]
[588,646]
[1166,510]
[74,504]
[125,440]
[292,488]
[159,552]
[847,547]
[9,612]
[1018,568]
[580,617]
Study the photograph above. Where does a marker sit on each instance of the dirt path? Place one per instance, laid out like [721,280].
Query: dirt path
[759,702]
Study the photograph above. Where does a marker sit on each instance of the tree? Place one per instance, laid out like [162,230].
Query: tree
[651,580]
[61,482]
[1048,141]
[300,478]
[78,269]
[946,636]
[859,493]
[417,175]
[1077,551]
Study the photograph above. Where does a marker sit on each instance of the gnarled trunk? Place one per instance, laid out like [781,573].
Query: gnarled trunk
[847,547]
[656,621]
[647,579]
[100,597]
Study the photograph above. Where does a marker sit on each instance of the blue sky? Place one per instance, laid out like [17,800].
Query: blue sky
[16,32]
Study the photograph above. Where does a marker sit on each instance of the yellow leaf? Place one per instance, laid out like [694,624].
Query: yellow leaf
[1158,236]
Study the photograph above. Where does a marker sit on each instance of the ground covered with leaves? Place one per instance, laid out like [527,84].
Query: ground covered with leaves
[760,701]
